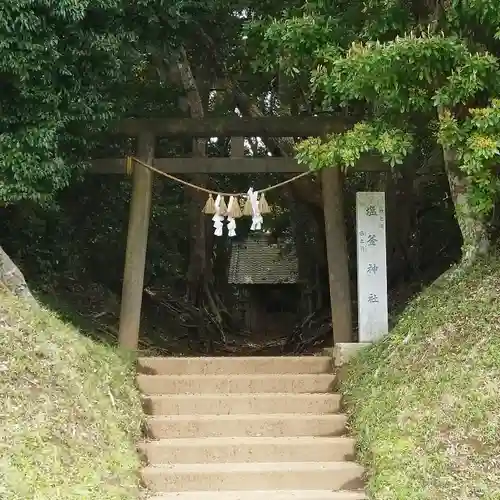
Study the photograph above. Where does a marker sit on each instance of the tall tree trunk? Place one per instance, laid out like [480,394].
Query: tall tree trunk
[299,223]
[12,279]
[475,234]
[198,270]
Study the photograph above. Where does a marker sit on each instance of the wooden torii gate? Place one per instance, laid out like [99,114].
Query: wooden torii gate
[236,128]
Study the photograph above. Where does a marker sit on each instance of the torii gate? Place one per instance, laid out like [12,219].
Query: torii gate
[237,128]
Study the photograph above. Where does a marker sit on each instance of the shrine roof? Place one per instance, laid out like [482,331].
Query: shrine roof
[256,261]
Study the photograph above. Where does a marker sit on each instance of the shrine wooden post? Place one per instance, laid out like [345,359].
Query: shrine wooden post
[137,239]
[337,255]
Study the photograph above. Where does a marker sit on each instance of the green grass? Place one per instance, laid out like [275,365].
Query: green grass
[69,412]
[425,402]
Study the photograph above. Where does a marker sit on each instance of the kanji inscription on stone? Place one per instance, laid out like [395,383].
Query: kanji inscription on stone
[372,266]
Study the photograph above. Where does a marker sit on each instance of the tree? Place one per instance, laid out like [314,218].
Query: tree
[414,71]
[62,66]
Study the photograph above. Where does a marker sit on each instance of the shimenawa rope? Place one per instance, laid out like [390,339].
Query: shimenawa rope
[210,208]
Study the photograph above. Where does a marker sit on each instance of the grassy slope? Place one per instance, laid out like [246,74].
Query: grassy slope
[69,412]
[425,402]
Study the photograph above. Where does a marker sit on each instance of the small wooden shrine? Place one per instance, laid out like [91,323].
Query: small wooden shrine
[265,272]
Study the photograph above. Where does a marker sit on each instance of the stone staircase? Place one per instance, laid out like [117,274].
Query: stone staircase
[242,428]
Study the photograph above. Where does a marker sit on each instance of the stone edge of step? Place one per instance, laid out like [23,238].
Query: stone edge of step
[243,395]
[244,416]
[225,365]
[242,467]
[258,494]
[243,376]
[238,440]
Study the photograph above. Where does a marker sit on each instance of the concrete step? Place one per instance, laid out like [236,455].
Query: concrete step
[274,425]
[235,365]
[248,449]
[262,476]
[258,495]
[231,404]
[211,384]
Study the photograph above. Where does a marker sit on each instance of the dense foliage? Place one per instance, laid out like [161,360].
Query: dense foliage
[69,68]
[410,70]
[62,69]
